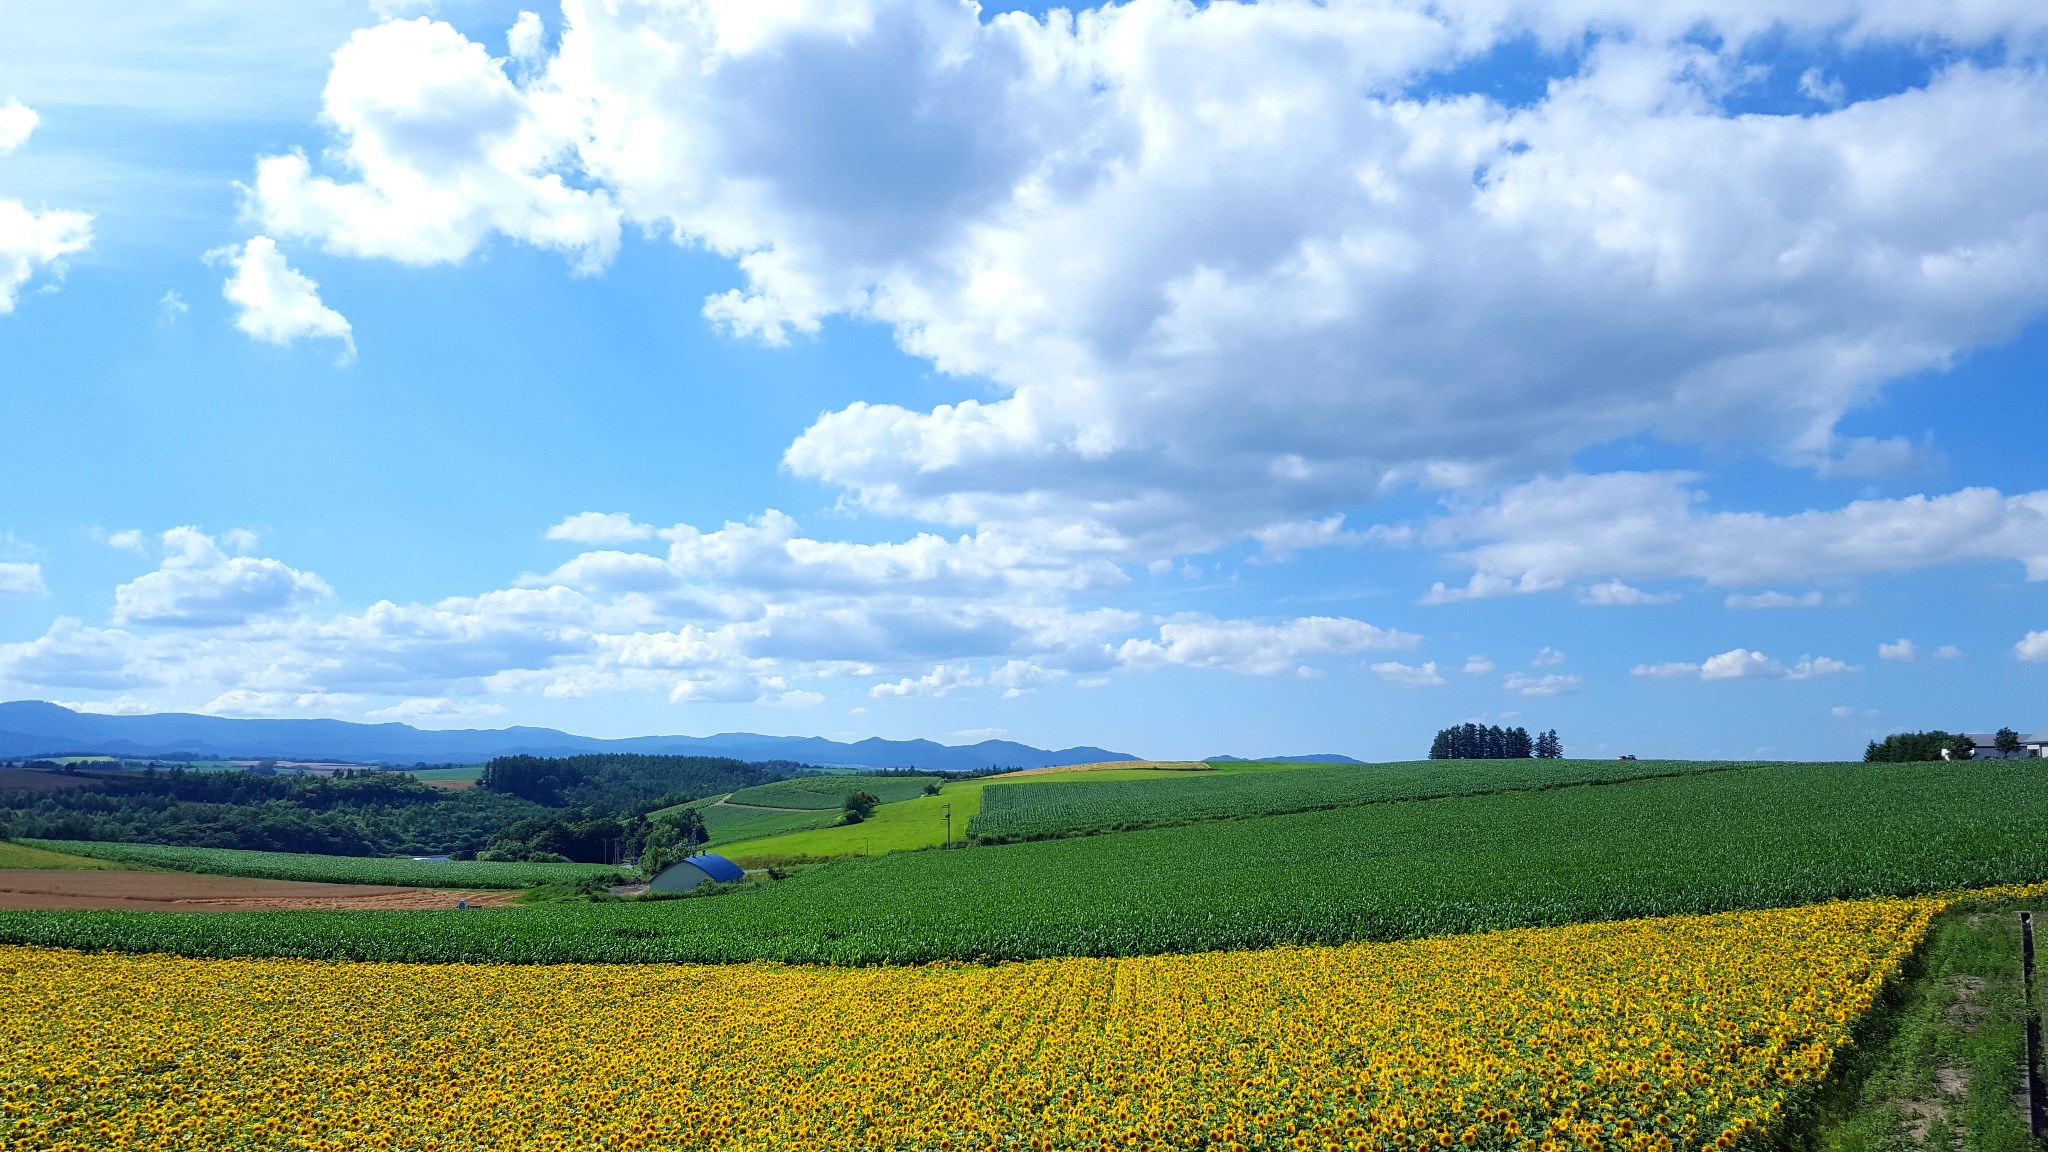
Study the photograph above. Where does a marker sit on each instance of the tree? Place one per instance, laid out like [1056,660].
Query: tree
[858,807]
[1472,741]
[1910,747]
[1549,747]
[2007,741]
[932,789]
[1962,749]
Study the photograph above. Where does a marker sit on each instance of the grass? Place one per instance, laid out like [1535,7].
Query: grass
[908,825]
[464,772]
[727,825]
[13,855]
[919,822]
[331,869]
[1036,811]
[1765,837]
[819,793]
[1942,1070]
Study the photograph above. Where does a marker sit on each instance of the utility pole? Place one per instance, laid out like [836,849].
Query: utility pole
[949,824]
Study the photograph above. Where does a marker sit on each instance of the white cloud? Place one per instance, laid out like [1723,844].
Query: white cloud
[17,121]
[1815,85]
[1477,665]
[1901,650]
[1548,532]
[1614,593]
[1741,664]
[1545,657]
[2033,646]
[1746,664]
[1194,640]
[525,39]
[170,306]
[32,241]
[276,303]
[435,708]
[1059,208]
[1550,684]
[21,579]
[1811,599]
[1409,675]
[600,528]
[1947,652]
[199,586]
[1022,677]
[445,151]
[247,703]
[939,681]
[977,735]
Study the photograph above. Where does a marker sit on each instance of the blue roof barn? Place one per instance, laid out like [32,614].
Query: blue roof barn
[691,871]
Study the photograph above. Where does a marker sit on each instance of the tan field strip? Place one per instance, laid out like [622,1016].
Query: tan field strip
[1109,766]
[35,889]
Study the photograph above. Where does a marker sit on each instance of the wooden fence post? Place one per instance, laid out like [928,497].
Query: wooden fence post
[2037,1092]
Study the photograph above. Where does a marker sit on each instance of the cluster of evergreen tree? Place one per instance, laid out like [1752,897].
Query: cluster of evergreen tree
[1906,747]
[597,839]
[615,784]
[375,814]
[1492,742]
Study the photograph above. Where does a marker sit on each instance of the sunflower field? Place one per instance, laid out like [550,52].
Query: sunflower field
[1652,1035]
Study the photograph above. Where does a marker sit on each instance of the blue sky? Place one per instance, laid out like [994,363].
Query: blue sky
[1179,379]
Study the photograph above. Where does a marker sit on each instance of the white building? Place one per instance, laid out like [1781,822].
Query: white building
[1987,746]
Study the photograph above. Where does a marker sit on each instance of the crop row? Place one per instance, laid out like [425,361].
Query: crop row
[1677,1035]
[1756,838]
[331,869]
[826,792]
[1035,811]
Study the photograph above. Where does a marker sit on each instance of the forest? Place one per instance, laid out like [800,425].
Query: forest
[590,809]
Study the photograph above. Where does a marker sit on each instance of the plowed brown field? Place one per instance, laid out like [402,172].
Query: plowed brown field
[41,889]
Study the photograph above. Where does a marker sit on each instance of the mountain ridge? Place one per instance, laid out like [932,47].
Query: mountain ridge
[30,728]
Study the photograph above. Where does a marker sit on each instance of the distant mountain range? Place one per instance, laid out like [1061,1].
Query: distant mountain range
[30,728]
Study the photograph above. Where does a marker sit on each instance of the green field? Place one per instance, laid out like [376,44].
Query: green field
[919,822]
[465,772]
[1037,810]
[818,793]
[13,855]
[331,869]
[726,824]
[1772,836]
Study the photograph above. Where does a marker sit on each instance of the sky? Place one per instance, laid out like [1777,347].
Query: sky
[1182,379]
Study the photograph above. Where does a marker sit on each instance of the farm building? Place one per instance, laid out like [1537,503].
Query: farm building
[2030,746]
[691,871]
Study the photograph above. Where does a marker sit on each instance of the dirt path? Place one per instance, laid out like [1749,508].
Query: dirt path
[41,890]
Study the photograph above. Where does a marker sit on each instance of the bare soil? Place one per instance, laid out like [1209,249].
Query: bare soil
[450,785]
[46,889]
[37,780]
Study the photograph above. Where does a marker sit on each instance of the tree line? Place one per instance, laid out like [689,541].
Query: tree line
[590,809]
[1907,747]
[1471,741]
